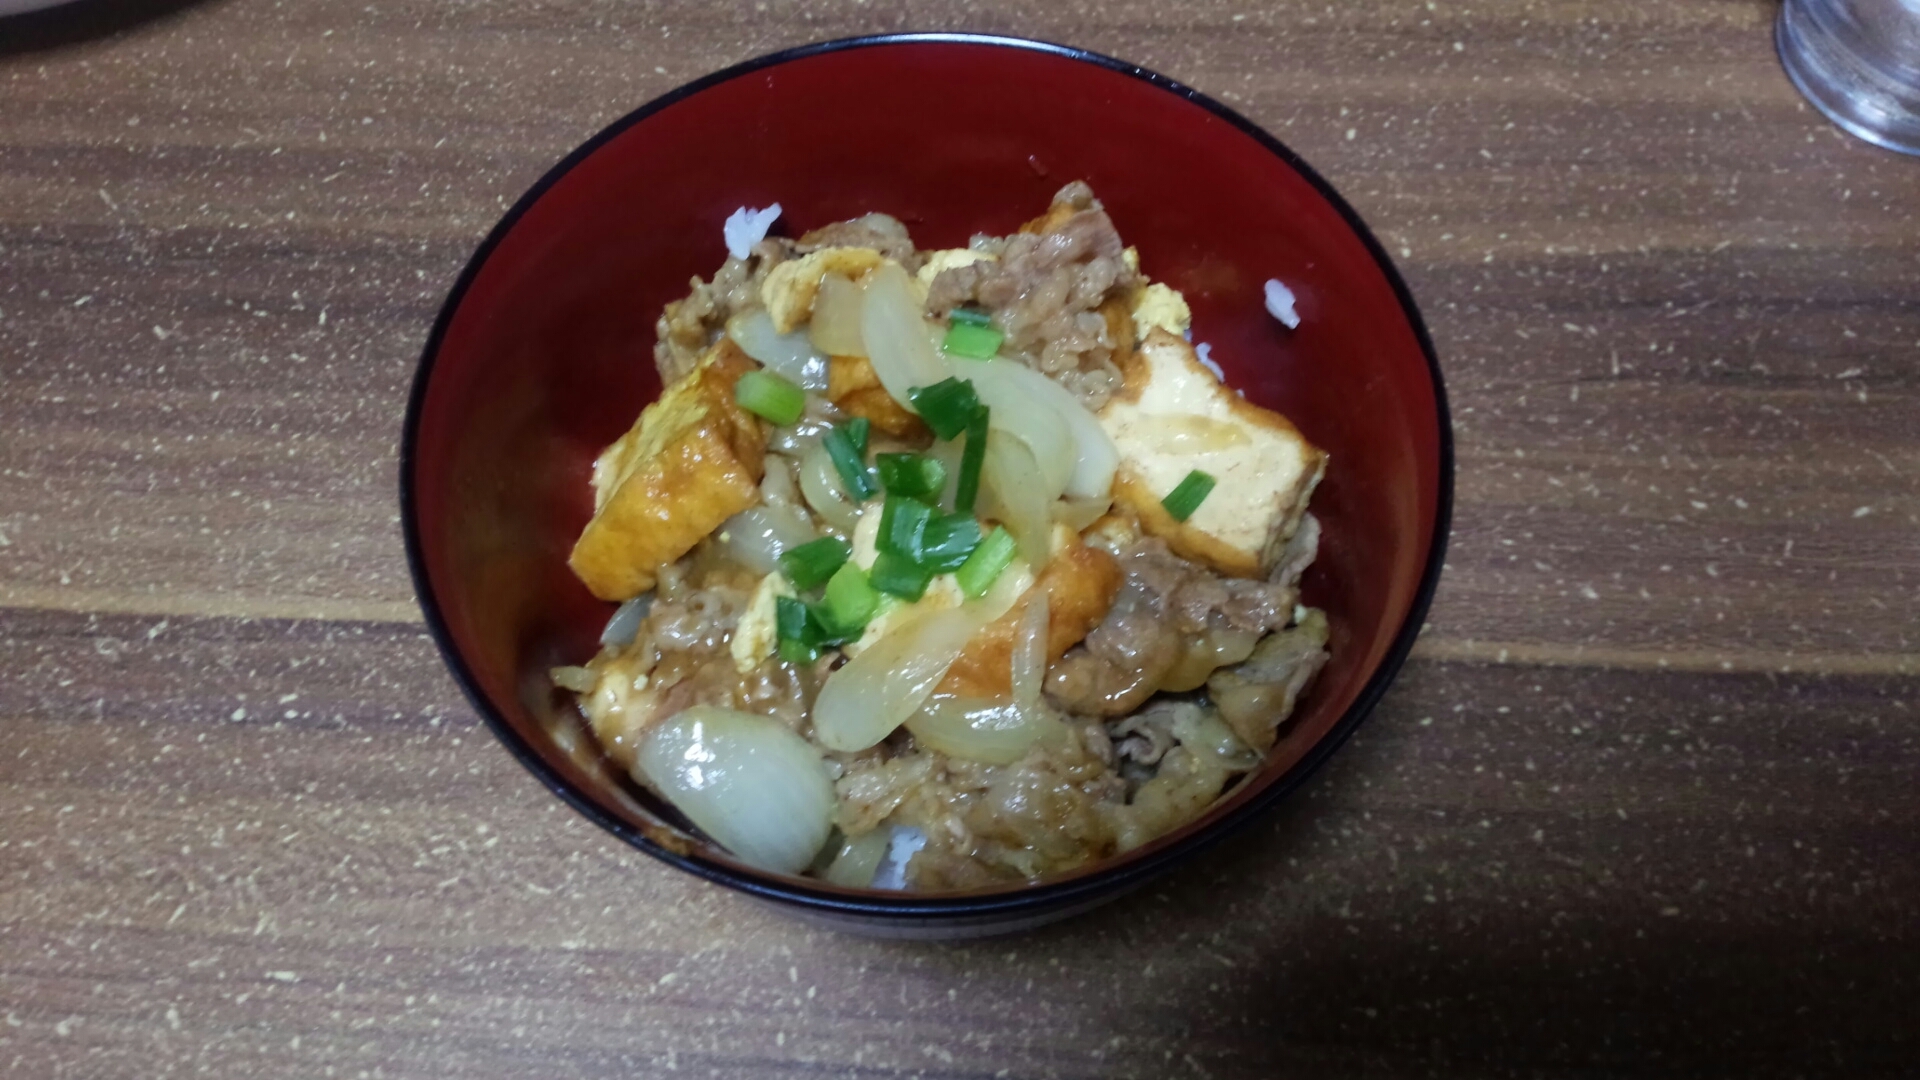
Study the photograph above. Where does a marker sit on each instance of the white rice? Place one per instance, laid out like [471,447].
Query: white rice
[901,846]
[1204,352]
[1280,304]
[746,227]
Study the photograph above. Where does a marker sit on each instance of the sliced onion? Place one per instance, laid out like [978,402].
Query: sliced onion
[790,355]
[1020,501]
[896,335]
[835,327]
[625,624]
[949,455]
[984,730]
[759,535]
[1029,667]
[859,857]
[1094,456]
[820,483]
[873,693]
[748,781]
[1077,514]
[1013,408]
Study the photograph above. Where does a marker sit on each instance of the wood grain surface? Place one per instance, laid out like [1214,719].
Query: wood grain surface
[1647,801]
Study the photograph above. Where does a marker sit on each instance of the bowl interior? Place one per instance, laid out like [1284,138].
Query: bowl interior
[544,354]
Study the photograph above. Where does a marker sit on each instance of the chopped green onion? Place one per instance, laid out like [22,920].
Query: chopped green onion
[946,406]
[899,576]
[848,453]
[903,525]
[794,651]
[791,622]
[767,394]
[857,429]
[849,604]
[915,475]
[814,561]
[988,561]
[796,630]
[948,541]
[966,316]
[973,342]
[1187,496]
[971,460]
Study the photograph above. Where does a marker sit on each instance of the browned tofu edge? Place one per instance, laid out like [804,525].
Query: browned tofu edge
[705,472]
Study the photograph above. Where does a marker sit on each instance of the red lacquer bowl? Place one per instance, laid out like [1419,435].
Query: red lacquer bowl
[542,356]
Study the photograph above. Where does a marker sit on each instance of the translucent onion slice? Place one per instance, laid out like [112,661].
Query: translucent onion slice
[835,327]
[985,730]
[758,535]
[859,857]
[820,485]
[1019,498]
[1077,514]
[898,341]
[625,624]
[875,692]
[790,355]
[1029,666]
[1094,456]
[748,781]
[1015,409]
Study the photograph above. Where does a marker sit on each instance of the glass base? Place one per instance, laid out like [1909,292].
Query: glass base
[1844,85]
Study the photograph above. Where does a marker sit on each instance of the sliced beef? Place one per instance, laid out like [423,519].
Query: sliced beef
[1169,615]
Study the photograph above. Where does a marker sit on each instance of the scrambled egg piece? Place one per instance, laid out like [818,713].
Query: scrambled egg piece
[692,460]
[758,631]
[948,259]
[1080,584]
[789,288]
[1162,306]
[1172,416]
[854,387]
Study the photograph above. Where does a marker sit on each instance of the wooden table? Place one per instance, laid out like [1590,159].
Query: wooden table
[1645,801]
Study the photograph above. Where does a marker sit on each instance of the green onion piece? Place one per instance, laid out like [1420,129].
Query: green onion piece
[973,342]
[1187,496]
[949,540]
[971,459]
[768,395]
[903,525]
[798,652]
[848,606]
[946,406]
[814,561]
[914,475]
[857,429]
[899,576]
[791,621]
[849,459]
[988,561]
[966,316]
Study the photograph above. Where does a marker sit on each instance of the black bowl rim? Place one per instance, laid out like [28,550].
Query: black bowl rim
[1026,900]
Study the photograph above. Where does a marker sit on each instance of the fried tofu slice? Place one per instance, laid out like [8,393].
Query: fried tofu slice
[854,387]
[692,460]
[1080,583]
[789,288]
[1173,416]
